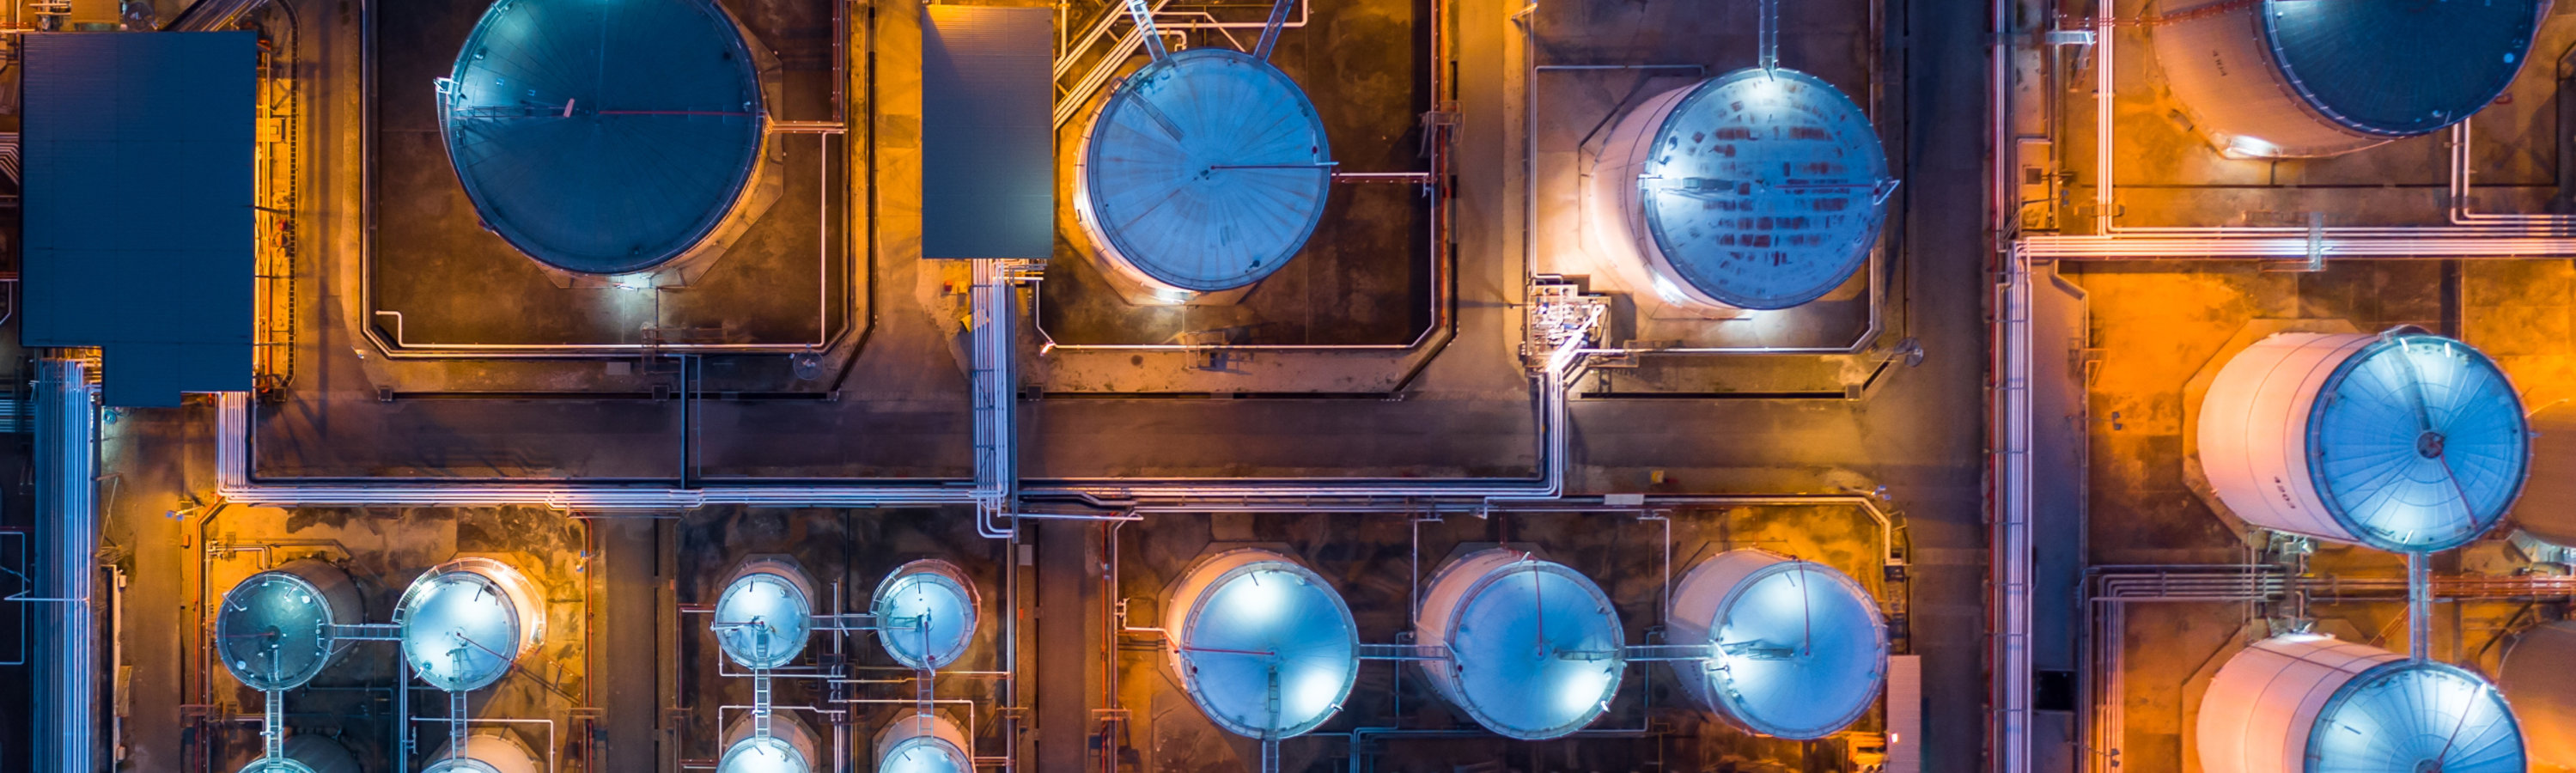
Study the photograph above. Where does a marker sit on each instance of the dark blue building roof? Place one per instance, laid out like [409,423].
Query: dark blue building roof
[603,137]
[2399,67]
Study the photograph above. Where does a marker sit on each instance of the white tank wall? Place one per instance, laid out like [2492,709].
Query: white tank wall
[2537,678]
[2547,508]
[500,752]
[1616,215]
[2253,440]
[2224,76]
[2256,715]
[1449,587]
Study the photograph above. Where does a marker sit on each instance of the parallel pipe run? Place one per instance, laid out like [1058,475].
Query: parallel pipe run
[66,501]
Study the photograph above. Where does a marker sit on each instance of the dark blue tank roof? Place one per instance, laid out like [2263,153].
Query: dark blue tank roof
[2399,67]
[603,137]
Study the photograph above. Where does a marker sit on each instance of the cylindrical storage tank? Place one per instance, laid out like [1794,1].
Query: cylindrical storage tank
[765,614]
[926,613]
[1535,648]
[2537,678]
[465,622]
[603,138]
[306,754]
[917,743]
[1752,190]
[1801,649]
[2301,78]
[2400,441]
[2303,703]
[485,752]
[1204,171]
[1249,624]
[274,630]
[790,746]
[2547,508]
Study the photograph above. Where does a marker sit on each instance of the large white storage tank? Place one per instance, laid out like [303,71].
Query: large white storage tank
[926,612]
[923,743]
[1801,649]
[1262,644]
[765,614]
[485,752]
[2303,703]
[465,622]
[274,630]
[2294,78]
[1204,171]
[2539,676]
[1757,189]
[306,754]
[2401,441]
[1535,648]
[2547,508]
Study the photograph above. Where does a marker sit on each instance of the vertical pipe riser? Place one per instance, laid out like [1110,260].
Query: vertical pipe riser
[66,505]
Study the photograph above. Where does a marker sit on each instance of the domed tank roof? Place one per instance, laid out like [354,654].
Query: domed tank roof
[603,137]
[1760,189]
[1800,648]
[763,617]
[484,752]
[2399,67]
[762,754]
[1204,171]
[274,630]
[2421,443]
[925,754]
[1535,648]
[2410,717]
[940,607]
[302,753]
[464,624]
[1259,619]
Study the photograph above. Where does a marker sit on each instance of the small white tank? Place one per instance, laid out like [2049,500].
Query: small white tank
[765,614]
[485,752]
[790,746]
[917,743]
[306,754]
[1535,648]
[465,622]
[1262,644]
[1801,648]
[274,630]
[926,613]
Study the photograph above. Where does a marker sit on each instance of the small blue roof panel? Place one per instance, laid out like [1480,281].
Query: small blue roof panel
[1207,170]
[1263,621]
[2419,443]
[1801,651]
[2399,67]
[603,136]
[2410,717]
[1766,188]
